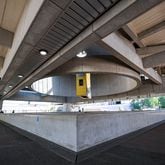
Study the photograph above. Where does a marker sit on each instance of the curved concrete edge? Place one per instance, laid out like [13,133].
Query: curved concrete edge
[101,85]
[95,65]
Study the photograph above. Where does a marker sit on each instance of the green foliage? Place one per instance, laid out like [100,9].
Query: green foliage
[150,102]
[136,105]
[155,101]
[162,101]
[145,103]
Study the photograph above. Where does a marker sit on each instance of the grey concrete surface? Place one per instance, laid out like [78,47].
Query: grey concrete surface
[23,95]
[94,129]
[144,148]
[79,131]
[154,60]
[145,90]
[121,48]
[60,129]
[16,149]
[27,18]
[147,148]
[107,23]
[149,50]
[6,37]
[101,85]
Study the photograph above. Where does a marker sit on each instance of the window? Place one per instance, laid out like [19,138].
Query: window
[81,83]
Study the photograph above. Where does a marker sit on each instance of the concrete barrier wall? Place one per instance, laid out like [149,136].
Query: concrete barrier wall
[79,131]
[60,129]
[98,128]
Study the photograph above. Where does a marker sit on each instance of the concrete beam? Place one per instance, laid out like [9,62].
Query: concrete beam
[152,30]
[6,38]
[124,50]
[30,11]
[149,50]
[133,36]
[112,20]
[154,60]
[1,62]
[145,90]
[33,96]
[1,104]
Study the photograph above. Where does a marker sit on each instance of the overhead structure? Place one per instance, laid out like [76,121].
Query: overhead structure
[88,78]
[40,38]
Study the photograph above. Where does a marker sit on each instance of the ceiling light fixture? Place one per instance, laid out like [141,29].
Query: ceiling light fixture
[43,52]
[82,54]
[26,87]
[10,86]
[20,76]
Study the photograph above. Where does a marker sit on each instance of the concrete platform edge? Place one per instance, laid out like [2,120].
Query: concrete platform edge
[85,154]
[57,149]
[76,157]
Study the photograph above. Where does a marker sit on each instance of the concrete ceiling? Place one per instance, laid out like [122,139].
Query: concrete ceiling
[66,27]
[10,14]
[148,19]
[150,26]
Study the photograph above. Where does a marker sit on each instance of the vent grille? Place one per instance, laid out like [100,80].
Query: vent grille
[76,18]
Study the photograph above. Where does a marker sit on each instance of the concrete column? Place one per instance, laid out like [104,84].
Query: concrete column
[67,107]
[1,104]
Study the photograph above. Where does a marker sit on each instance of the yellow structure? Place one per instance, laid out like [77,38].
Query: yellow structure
[83,85]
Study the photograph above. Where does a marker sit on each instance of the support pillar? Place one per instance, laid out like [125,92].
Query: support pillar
[1,104]
[67,107]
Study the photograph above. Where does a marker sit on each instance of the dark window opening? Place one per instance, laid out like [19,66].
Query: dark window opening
[81,83]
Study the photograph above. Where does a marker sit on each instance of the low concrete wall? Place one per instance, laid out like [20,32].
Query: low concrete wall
[79,131]
[60,129]
[95,129]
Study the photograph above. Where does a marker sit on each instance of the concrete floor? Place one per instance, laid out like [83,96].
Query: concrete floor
[145,149]
[16,149]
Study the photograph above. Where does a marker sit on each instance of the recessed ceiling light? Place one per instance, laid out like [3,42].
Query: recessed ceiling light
[43,52]
[82,54]
[10,86]
[20,76]
[4,92]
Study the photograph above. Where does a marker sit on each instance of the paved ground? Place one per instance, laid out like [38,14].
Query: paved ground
[16,149]
[145,149]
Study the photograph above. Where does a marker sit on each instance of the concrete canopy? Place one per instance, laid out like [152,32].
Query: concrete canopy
[65,28]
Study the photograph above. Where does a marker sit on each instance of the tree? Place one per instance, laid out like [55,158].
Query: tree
[162,101]
[155,101]
[150,102]
[144,103]
[147,103]
[136,105]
